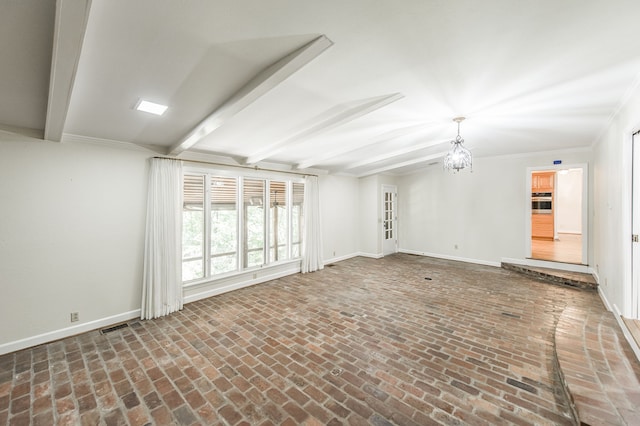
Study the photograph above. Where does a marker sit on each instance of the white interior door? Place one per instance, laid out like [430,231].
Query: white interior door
[389,220]
[635,226]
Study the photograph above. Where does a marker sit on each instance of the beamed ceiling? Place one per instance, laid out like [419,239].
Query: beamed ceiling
[339,86]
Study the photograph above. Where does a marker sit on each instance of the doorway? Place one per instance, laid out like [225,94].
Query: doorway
[557,214]
[389,220]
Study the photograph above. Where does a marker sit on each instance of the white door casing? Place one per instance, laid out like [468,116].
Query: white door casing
[635,226]
[585,204]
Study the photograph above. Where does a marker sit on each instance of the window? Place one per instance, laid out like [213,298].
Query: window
[279,229]
[253,196]
[224,225]
[252,221]
[193,228]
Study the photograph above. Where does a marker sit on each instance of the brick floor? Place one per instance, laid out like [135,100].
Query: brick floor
[599,368]
[403,340]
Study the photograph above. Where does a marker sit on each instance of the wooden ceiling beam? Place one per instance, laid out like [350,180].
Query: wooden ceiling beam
[259,85]
[344,116]
[396,153]
[68,36]
[400,133]
[404,164]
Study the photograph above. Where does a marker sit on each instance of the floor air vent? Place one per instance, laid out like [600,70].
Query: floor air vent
[114,328]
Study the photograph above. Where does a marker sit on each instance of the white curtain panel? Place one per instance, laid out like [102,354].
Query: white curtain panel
[312,238]
[162,278]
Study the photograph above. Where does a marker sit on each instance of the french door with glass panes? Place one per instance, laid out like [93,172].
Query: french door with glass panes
[389,220]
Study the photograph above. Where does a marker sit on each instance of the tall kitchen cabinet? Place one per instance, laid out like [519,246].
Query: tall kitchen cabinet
[542,181]
[542,224]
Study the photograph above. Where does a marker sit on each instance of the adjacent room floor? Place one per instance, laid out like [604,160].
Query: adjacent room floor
[400,340]
[567,249]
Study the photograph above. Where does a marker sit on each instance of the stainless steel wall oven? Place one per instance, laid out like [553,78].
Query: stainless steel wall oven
[541,202]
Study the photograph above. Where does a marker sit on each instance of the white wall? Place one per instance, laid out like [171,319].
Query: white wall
[72,222]
[568,205]
[71,234]
[482,213]
[368,216]
[612,209]
[339,204]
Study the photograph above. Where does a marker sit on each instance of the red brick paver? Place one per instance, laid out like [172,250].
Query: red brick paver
[402,340]
[600,369]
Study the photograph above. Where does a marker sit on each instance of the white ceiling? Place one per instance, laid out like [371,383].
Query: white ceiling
[367,86]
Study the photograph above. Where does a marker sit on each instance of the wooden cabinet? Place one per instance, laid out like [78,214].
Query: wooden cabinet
[542,181]
[542,226]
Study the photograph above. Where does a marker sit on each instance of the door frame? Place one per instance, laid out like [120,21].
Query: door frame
[585,206]
[393,189]
[629,308]
[632,289]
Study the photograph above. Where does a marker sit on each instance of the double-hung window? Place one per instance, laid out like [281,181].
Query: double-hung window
[233,223]
[223,224]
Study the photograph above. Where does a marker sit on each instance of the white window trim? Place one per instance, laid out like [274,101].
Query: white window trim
[240,175]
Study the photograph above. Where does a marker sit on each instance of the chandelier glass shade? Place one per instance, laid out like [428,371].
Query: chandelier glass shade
[458,157]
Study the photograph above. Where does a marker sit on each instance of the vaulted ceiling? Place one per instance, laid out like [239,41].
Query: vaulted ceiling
[355,87]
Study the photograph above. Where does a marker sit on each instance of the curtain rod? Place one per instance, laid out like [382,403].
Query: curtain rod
[238,166]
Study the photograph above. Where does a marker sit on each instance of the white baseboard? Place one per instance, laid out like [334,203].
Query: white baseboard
[604,299]
[114,319]
[447,257]
[340,258]
[224,288]
[545,264]
[52,336]
[625,331]
[371,255]
[618,315]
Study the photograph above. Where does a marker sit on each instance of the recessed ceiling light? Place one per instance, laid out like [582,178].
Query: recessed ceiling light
[151,107]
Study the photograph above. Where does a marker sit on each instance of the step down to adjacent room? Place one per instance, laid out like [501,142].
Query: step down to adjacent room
[555,276]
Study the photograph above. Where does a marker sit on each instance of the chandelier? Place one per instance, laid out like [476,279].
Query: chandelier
[458,157]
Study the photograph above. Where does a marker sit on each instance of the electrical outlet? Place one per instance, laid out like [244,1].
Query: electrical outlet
[455,247]
[74,317]
[255,275]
